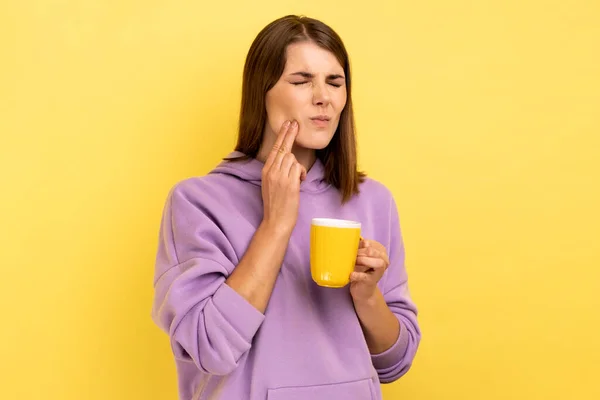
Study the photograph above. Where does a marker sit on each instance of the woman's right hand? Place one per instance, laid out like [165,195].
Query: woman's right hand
[281,177]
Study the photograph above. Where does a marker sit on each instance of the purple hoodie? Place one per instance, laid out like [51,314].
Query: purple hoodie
[309,343]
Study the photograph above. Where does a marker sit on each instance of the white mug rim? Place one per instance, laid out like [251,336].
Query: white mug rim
[335,223]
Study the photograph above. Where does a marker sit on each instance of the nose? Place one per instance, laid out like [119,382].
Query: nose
[321,95]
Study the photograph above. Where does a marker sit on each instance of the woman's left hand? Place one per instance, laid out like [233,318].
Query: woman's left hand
[371,262]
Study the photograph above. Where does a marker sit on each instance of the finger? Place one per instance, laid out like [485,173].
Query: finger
[303,172]
[278,143]
[370,243]
[287,162]
[286,147]
[375,244]
[296,172]
[374,253]
[290,137]
[369,252]
[372,262]
[385,258]
[377,247]
[362,268]
[359,277]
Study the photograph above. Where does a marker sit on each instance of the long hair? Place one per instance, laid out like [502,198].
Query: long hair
[264,65]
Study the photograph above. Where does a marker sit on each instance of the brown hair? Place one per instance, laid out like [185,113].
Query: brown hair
[264,65]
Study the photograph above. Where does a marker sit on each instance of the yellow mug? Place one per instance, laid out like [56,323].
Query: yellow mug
[333,249]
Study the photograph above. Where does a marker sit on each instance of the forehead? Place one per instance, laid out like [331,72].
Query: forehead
[309,57]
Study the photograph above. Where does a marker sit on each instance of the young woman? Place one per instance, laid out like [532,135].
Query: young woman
[233,288]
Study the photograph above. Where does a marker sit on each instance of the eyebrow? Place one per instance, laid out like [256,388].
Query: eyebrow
[308,75]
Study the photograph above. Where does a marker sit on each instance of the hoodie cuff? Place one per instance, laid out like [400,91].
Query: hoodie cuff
[394,354]
[240,314]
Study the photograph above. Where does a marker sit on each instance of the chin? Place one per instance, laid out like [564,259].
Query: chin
[314,140]
[313,144]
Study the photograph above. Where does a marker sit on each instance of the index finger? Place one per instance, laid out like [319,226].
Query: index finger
[290,137]
[373,252]
[371,243]
[376,245]
[278,143]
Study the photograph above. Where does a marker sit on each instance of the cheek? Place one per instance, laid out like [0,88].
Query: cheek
[340,102]
[281,106]
[290,103]
[275,115]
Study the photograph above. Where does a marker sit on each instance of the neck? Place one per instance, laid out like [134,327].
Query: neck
[306,157]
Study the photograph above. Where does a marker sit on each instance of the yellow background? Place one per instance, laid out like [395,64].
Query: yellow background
[481,116]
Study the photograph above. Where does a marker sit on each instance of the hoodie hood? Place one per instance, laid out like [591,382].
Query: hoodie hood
[251,172]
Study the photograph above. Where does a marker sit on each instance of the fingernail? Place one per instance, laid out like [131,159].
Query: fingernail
[295,124]
[286,124]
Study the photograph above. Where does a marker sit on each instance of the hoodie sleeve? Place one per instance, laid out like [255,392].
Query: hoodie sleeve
[208,323]
[397,360]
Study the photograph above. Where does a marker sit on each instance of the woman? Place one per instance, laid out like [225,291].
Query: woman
[233,284]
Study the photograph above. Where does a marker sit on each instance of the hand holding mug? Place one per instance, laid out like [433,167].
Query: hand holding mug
[371,262]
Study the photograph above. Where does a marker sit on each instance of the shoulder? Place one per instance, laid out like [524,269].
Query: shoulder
[376,199]
[197,190]
[375,191]
[188,187]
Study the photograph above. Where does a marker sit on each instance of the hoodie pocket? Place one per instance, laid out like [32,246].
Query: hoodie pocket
[357,390]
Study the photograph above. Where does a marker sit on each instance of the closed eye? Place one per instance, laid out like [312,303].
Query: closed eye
[337,85]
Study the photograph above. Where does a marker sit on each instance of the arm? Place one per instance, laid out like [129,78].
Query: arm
[397,360]
[255,275]
[210,307]
[380,326]
[207,321]
[394,362]
[387,314]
